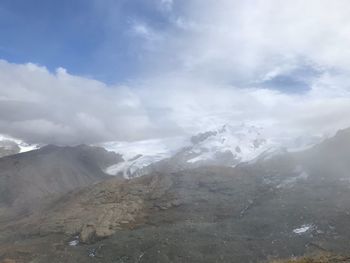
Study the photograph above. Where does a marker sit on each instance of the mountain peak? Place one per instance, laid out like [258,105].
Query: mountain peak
[243,142]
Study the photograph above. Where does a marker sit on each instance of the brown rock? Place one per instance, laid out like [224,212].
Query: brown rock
[87,234]
[103,231]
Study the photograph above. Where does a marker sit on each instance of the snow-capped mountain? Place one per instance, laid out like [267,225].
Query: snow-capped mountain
[230,145]
[227,145]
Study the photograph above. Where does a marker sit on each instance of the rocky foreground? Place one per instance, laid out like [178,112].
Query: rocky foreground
[323,258]
[282,206]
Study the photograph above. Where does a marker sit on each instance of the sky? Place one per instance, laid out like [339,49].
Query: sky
[90,71]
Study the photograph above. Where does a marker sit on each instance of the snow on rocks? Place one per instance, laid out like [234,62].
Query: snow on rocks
[244,142]
[304,229]
[74,242]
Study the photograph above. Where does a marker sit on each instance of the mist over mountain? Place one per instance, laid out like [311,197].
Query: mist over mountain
[227,145]
[8,148]
[174,131]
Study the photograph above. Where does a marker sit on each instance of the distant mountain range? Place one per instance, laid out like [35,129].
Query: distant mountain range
[227,146]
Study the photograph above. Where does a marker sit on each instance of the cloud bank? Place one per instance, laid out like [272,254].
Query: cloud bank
[42,107]
[281,65]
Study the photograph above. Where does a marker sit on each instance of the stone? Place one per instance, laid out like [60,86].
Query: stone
[87,234]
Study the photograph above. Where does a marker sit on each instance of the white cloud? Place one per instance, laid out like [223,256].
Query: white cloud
[39,106]
[212,67]
[245,40]
[200,105]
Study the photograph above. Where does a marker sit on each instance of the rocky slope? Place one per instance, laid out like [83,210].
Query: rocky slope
[323,258]
[29,178]
[101,209]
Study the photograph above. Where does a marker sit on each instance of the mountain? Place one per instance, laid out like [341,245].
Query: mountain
[227,146]
[10,146]
[30,178]
[286,205]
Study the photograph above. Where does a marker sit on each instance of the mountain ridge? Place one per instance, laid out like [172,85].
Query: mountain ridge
[27,178]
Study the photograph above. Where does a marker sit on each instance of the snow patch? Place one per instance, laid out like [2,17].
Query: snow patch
[303,229]
[24,147]
[140,154]
[245,142]
[74,243]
